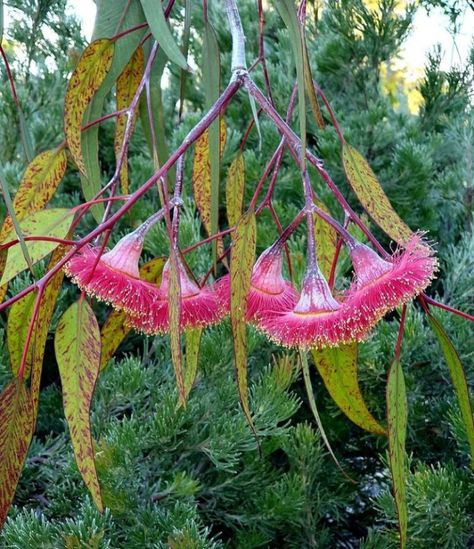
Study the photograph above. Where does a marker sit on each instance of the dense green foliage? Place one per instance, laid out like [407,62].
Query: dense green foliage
[195,477]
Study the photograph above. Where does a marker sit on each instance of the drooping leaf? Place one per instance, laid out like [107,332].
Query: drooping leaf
[287,11]
[85,81]
[314,410]
[309,86]
[161,32]
[114,330]
[211,75]
[25,135]
[174,312]
[152,117]
[234,190]
[43,322]
[17,328]
[16,430]
[396,427]
[39,183]
[127,85]
[53,223]
[458,378]
[242,259]
[368,190]
[184,49]
[193,342]
[77,347]
[111,17]
[326,241]
[338,368]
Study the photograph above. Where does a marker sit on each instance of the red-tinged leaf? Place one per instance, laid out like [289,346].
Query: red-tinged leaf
[39,183]
[85,81]
[234,190]
[397,427]
[458,378]
[314,410]
[54,222]
[338,368]
[309,86]
[114,330]
[326,241]
[43,322]
[17,329]
[202,175]
[368,190]
[193,343]
[174,312]
[127,85]
[16,430]
[77,346]
[242,259]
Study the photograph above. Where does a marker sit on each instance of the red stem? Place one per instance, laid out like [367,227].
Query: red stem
[424,298]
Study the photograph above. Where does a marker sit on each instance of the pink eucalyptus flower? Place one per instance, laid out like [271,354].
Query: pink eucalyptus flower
[199,306]
[114,278]
[316,321]
[269,291]
[381,286]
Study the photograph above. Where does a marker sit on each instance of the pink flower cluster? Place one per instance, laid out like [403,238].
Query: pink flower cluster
[312,318]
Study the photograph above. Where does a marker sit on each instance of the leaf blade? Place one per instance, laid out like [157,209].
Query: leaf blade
[234,191]
[161,32]
[16,430]
[83,84]
[458,378]
[77,347]
[397,425]
[242,259]
[368,190]
[54,222]
[338,368]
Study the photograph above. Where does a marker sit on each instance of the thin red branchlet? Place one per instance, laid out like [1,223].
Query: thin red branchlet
[199,306]
[269,291]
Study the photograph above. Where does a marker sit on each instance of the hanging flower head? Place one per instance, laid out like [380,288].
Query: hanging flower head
[381,286]
[114,277]
[269,291]
[199,306]
[316,321]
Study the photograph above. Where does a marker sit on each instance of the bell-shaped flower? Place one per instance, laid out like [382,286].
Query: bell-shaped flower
[316,321]
[380,286]
[269,291]
[114,276]
[199,306]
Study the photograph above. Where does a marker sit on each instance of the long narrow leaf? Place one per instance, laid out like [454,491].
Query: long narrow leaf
[397,427]
[458,378]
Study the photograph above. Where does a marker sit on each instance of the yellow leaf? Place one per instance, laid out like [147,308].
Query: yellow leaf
[40,181]
[174,312]
[242,259]
[338,368]
[77,347]
[85,81]
[127,84]
[202,175]
[43,322]
[114,329]
[234,190]
[16,430]
[54,222]
[371,195]
[17,328]
[193,342]
[326,240]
